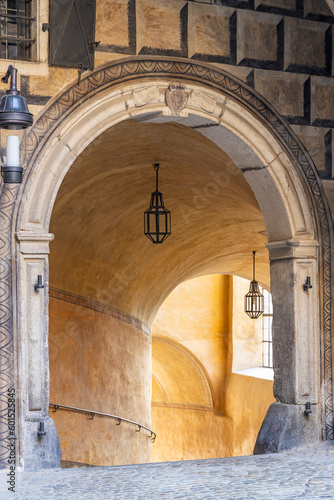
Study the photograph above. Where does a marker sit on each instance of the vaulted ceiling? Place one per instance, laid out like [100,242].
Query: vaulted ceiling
[100,251]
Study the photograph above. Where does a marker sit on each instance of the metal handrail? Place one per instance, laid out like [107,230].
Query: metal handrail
[93,413]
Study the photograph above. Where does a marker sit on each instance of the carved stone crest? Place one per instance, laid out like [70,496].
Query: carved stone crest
[176,98]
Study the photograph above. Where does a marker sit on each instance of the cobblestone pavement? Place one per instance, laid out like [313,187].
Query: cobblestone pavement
[307,473]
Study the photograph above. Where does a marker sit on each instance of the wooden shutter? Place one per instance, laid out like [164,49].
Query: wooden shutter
[72,33]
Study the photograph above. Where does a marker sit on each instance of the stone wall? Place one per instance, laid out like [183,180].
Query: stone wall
[266,43]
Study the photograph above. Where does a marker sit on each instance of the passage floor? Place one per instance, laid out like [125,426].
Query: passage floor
[306,473]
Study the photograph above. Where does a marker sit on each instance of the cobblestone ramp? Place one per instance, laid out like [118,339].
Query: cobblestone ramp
[307,473]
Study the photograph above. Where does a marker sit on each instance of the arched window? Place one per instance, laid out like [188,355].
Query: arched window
[267,338]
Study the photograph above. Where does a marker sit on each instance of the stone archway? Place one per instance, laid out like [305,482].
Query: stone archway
[299,238]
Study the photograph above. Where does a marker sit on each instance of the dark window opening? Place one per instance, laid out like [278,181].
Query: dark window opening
[17,30]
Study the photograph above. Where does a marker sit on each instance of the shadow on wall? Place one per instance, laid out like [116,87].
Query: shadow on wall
[200,408]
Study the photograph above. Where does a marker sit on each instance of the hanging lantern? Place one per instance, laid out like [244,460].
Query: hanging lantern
[157,219]
[254,302]
[15,118]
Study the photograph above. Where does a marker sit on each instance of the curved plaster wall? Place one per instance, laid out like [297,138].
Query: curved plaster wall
[99,362]
[200,408]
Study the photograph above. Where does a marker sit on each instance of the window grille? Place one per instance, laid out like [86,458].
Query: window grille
[17,29]
[267,321]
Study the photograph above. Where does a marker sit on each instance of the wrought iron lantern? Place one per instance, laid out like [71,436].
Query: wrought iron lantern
[157,219]
[15,118]
[254,301]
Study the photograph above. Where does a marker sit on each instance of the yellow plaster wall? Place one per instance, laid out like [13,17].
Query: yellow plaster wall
[112,22]
[178,377]
[188,434]
[100,363]
[198,316]
[248,399]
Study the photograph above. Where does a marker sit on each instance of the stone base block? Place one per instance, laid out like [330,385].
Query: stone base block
[286,427]
[40,452]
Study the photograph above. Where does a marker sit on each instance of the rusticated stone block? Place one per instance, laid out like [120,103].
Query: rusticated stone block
[259,40]
[287,92]
[244,4]
[244,74]
[104,57]
[306,46]
[211,33]
[316,8]
[112,22]
[41,86]
[159,26]
[322,101]
[275,5]
[318,142]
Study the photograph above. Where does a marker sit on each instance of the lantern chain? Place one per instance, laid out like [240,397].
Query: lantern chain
[156,168]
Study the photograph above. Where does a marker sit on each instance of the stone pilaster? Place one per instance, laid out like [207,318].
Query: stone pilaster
[33,357]
[296,331]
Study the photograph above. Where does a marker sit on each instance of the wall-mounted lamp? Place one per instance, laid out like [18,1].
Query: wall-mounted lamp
[254,301]
[15,118]
[157,219]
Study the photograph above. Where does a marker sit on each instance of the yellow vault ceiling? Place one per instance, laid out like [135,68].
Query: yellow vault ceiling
[100,251]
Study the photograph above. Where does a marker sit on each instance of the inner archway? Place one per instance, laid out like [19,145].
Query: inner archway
[107,280]
[285,185]
[210,390]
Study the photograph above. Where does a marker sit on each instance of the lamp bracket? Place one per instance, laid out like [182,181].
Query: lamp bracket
[39,285]
[41,430]
[307,410]
[12,73]
[307,285]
